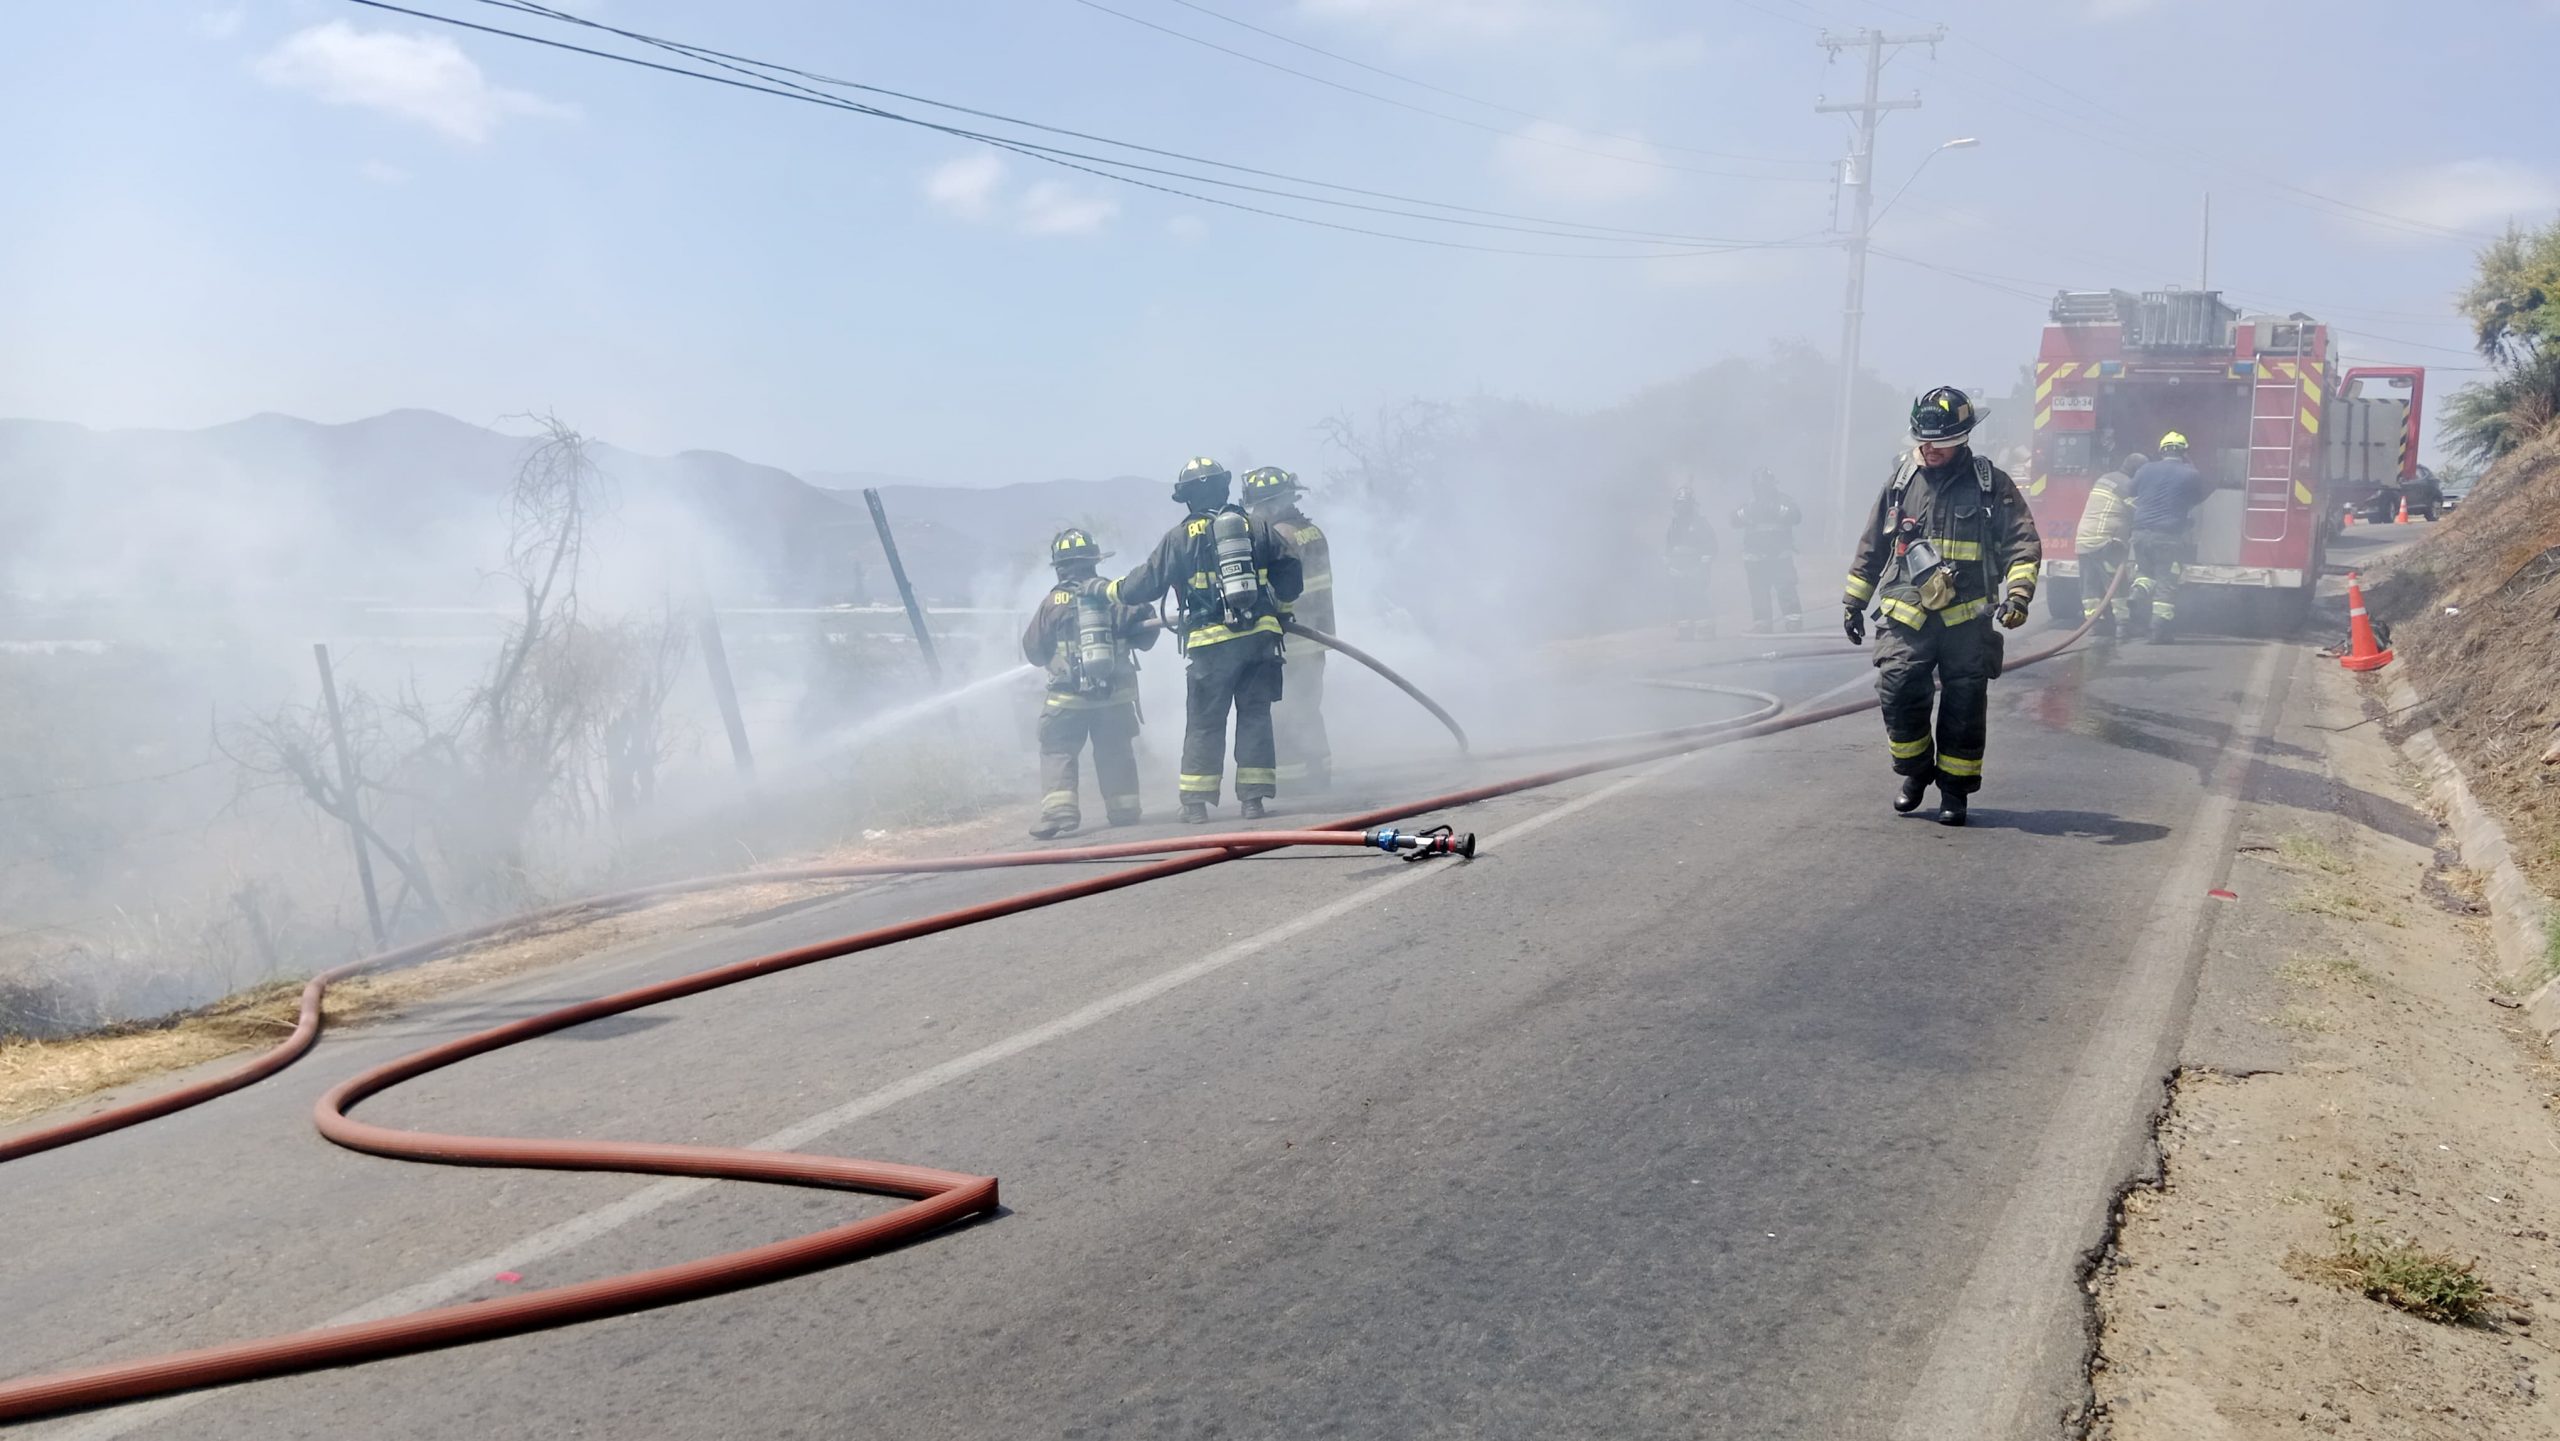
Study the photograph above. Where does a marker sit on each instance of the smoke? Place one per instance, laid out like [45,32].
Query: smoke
[1502,553]
[165,589]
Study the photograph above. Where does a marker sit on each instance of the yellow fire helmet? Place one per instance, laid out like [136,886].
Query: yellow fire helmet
[2173,444]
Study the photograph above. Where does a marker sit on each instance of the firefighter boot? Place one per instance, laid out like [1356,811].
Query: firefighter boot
[1950,808]
[1195,813]
[1914,788]
[1051,827]
[1250,808]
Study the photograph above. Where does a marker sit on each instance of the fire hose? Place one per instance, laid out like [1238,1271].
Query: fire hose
[936,1200]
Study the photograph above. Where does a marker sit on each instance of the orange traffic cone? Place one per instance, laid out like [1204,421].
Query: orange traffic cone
[2363,652]
[2403,518]
[2350,520]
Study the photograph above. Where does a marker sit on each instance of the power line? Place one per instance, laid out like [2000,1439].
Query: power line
[1548,141]
[1470,99]
[1604,234]
[732,62]
[1048,154]
[1971,277]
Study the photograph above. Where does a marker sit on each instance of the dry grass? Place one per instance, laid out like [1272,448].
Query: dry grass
[2302,1021]
[2308,852]
[36,1076]
[2322,973]
[2428,1285]
[2340,902]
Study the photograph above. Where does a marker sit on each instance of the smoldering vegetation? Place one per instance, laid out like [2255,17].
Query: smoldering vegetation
[517,635]
[518,621]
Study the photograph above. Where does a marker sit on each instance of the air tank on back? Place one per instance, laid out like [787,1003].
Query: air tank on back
[1097,648]
[1239,583]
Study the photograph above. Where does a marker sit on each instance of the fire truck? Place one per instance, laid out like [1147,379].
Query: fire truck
[2287,438]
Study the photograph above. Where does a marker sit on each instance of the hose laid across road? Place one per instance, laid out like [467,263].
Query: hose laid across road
[935,1199]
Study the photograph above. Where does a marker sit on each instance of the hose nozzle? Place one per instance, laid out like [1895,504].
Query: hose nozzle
[1422,845]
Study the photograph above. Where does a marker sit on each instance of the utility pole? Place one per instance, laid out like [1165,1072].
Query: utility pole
[1859,171]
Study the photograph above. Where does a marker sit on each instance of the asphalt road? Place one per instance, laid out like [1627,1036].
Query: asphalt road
[1696,1106]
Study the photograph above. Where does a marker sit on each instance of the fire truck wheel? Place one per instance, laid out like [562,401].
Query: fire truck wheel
[2062,598]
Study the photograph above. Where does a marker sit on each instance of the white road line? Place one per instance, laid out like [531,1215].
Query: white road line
[578,1230]
[1996,1342]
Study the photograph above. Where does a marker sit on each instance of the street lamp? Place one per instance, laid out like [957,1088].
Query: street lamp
[1966,143]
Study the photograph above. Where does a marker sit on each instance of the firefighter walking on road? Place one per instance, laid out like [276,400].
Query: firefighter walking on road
[1084,641]
[1689,551]
[1949,550]
[2165,496]
[1230,574]
[1297,721]
[1768,525]
[2104,542]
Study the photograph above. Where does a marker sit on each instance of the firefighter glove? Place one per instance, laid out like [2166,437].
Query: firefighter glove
[1853,622]
[2013,613]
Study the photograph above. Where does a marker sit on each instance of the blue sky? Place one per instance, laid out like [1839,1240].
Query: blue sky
[317,208]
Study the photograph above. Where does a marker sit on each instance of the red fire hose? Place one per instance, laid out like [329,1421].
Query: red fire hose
[936,1199]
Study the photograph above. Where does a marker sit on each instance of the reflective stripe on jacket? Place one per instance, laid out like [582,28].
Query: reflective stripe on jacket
[1972,512]
[1051,638]
[1186,562]
[2108,517]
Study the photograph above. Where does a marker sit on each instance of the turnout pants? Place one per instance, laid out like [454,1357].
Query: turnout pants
[1241,675]
[2097,569]
[1113,730]
[1951,665]
[2159,564]
[1297,723]
[1773,587]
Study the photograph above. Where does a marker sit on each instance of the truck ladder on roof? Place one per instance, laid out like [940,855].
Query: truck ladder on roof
[2275,405]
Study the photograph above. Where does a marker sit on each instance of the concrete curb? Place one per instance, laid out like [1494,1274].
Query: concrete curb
[2520,917]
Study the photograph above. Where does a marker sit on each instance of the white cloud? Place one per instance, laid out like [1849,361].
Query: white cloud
[973,188]
[1189,229]
[383,172]
[1561,163]
[221,24]
[425,78]
[2479,194]
[1052,208]
[2104,11]
[966,187]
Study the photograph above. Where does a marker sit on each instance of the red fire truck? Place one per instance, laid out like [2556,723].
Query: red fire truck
[2288,439]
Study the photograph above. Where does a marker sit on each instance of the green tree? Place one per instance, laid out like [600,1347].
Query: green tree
[2513,304]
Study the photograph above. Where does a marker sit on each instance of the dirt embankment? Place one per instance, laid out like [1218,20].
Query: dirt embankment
[2475,610]
[2352,1233]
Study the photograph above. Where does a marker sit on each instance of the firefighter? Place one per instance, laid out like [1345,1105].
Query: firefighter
[2104,543]
[1688,547]
[1232,574]
[1083,640]
[2165,496]
[1949,548]
[1768,525]
[1297,721]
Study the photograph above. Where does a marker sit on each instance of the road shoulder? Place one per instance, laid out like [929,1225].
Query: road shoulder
[2353,1105]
